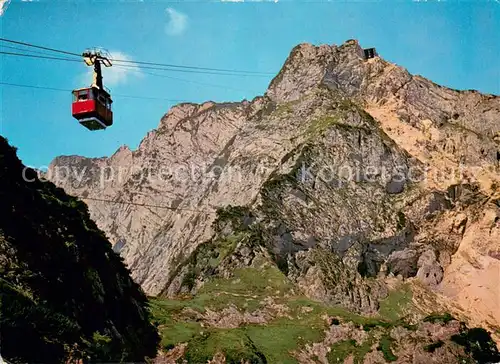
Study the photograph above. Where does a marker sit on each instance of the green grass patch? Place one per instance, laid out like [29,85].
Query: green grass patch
[225,247]
[251,282]
[273,342]
[173,329]
[320,125]
[439,318]
[362,350]
[371,324]
[298,304]
[233,343]
[245,290]
[163,309]
[276,340]
[394,306]
[282,109]
[342,349]
[279,338]
[178,332]
[343,315]
[384,346]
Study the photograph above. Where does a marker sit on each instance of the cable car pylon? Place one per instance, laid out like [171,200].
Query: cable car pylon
[92,105]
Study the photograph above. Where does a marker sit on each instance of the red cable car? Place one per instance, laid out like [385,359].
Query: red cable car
[92,105]
[92,108]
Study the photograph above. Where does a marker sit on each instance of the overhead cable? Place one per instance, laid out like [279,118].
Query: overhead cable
[157,65]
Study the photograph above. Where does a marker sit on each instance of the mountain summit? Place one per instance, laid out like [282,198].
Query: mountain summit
[348,174]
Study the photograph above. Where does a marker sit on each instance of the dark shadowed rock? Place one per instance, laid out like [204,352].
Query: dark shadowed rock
[403,262]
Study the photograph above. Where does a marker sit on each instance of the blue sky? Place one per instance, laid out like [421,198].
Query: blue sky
[455,44]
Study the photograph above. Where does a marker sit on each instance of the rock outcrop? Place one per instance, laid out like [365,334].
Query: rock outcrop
[346,171]
[65,296]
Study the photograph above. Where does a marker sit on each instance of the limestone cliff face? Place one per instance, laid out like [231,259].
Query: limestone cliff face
[348,169]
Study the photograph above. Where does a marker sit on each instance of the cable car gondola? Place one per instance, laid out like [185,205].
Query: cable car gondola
[92,105]
[92,108]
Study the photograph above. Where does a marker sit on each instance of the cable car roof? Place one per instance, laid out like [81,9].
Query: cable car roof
[105,91]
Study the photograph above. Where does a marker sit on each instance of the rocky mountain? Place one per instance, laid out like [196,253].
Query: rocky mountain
[64,294]
[348,172]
